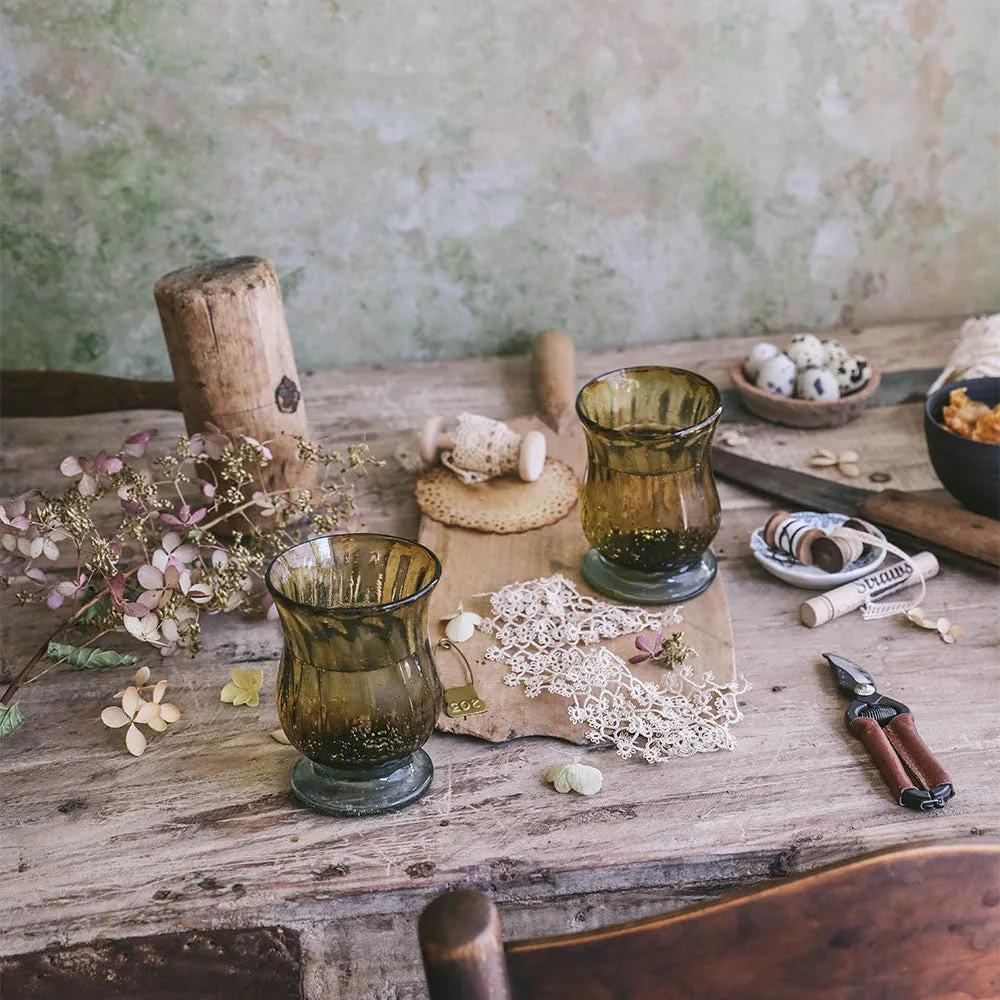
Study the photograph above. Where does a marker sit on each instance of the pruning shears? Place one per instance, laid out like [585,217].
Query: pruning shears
[890,736]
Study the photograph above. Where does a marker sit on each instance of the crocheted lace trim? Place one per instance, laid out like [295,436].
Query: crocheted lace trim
[543,629]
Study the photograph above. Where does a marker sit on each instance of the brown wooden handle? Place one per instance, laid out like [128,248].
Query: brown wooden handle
[951,527]
[69,394]
[915,754]
[554,364]
[880,750]
[462,946]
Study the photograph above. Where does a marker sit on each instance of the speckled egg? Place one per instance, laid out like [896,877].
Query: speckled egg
[806,351]
[817,384]
[852,374]
[833,353]
[759,353]
[777,375]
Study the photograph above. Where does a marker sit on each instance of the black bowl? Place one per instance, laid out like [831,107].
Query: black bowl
[969,470]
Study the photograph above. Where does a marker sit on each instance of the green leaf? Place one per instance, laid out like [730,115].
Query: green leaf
[88,657]
[10,719]
[95,610]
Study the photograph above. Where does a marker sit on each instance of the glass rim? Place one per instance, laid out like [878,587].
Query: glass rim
[677,432]
[353,608]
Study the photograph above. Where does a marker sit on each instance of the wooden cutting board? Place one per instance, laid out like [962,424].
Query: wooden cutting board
[476,563]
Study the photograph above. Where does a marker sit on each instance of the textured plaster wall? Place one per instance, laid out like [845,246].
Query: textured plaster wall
[445,177]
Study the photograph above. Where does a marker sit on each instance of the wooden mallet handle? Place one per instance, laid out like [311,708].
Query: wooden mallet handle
[554,361]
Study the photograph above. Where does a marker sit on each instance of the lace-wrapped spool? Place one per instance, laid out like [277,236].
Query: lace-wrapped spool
[481,449]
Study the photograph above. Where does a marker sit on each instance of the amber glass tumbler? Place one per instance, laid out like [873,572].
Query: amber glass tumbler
[357,690]
[649,503]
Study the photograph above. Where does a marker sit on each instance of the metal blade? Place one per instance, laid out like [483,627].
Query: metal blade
[809,492]
[850,677]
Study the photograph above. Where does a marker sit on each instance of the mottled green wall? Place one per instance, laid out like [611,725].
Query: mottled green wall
[443,177]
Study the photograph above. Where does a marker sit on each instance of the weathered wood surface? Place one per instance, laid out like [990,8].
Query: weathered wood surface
[202,832]
[476,563]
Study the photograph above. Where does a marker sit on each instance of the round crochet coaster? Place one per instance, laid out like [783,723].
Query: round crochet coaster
[503,506]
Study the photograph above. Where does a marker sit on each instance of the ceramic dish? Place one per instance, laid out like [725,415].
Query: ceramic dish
[785,568]
[805,413]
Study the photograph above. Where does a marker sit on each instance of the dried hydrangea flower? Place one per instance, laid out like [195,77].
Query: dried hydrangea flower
[243,688]
[575,777]
[135,711]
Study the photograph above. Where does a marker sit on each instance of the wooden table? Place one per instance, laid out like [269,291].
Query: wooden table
[201,833]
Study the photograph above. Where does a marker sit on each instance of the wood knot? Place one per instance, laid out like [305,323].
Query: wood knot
[287,395]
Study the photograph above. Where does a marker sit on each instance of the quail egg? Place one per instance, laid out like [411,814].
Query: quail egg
[759,353]
[852,373]
[777,375]
[806,351]
[833,353]
[817,384]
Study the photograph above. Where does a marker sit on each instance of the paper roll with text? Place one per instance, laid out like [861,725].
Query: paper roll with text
[880,582]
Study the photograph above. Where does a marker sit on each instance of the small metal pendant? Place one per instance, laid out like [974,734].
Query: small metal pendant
[460,701]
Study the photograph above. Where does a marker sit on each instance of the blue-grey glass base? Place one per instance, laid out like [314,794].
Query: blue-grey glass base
[636,587]
[341,792]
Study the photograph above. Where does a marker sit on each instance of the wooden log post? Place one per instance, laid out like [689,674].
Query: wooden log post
[232,358]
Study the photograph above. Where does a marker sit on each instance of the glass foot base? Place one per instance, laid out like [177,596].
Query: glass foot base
[352,793]
[636,587]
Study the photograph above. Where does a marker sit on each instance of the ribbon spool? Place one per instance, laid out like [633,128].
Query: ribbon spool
[831,553]
[791,536]
[481,449]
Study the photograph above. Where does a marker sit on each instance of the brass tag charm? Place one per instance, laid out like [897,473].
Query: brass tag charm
[463,700]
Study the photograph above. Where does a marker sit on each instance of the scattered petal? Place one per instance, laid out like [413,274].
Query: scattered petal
[169,713]
[229,693]
[114,717]
[130,701]
[147,711]
[135,741]
[141,676]
[159,724]
[279,736]
[159,691]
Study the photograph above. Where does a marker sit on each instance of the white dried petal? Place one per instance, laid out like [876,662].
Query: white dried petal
[141,676]
[850,470]
[584,779]
[147,711]
[956,631]
[822,461]
[169,713]
[159,691]
[158,724]
[461,627]
[849,456]
[114,717]
[130,701]
[561,780]
[135,741]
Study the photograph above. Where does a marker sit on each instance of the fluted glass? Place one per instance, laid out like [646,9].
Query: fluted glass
[649,504]
[357,690]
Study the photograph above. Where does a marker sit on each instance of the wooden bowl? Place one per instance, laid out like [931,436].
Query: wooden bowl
[805,413]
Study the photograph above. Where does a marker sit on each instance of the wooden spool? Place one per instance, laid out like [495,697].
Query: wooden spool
[232,358]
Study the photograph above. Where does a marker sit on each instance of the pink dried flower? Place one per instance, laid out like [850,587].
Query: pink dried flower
[185,517]
[648,652]
[66,590]
[135,445]
[211,442]
[94,473]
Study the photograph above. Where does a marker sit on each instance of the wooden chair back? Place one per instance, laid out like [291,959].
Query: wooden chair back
[914,923]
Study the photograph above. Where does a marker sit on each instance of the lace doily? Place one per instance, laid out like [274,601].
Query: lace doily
[483,449]
[544,628]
